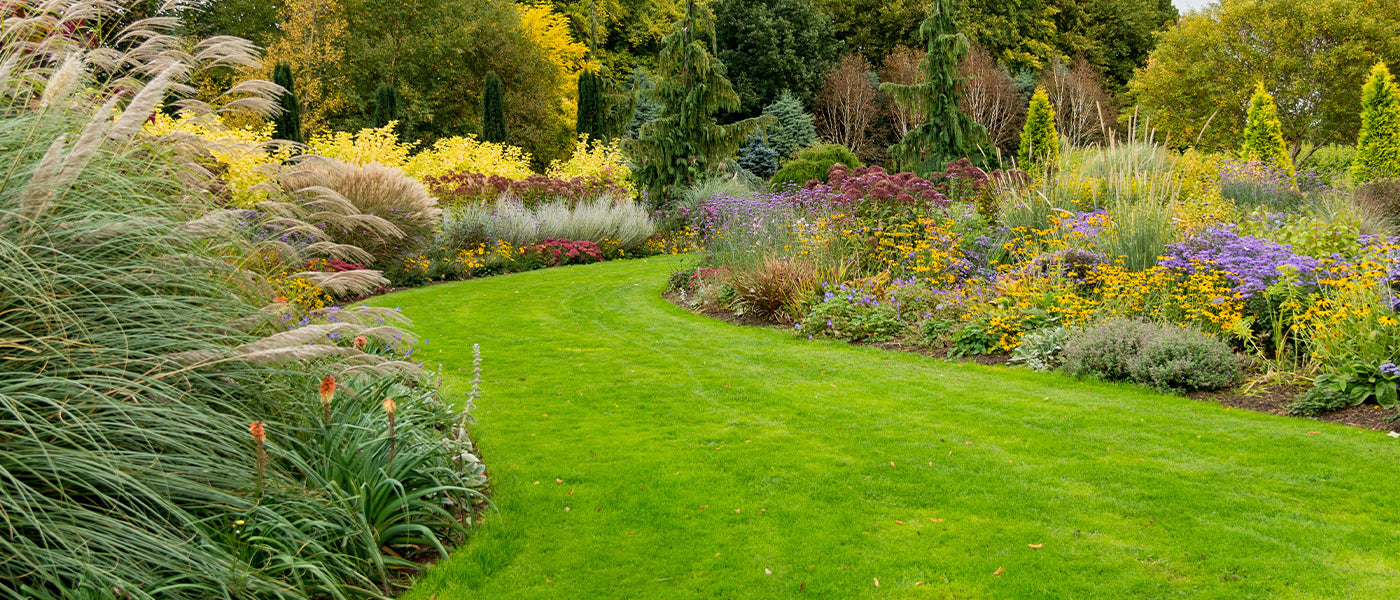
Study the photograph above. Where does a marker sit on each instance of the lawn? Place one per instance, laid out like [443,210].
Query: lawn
[640,451]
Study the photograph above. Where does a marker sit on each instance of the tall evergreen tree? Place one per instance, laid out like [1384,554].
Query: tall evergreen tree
[1263,133]
[645,107]
[287,124]
[685,142]
[493,110]
[1040,143]
[794,129]
[386,105]
[946,133]
[590,106]
[1378,144]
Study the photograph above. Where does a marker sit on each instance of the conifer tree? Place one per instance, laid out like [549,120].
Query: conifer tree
[386,105]
[590,106]
[493,110]
[1378,145]
[1263,133]
[287,124]
[794,129]
[1040,142]
[685,142]
[946,133]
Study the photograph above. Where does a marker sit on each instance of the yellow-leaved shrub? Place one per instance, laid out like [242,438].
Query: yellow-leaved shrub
[241,150]
[599,159]
[455,154]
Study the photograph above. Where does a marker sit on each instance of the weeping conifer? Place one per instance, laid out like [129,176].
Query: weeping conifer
[493,110]
[386,105]
[946,133]
[686,142]
[287,124]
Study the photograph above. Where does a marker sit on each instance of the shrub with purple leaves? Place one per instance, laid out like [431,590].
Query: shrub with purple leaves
[873,185]
[1252,263]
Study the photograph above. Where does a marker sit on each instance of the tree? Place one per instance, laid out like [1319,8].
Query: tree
[646,107]
[287,124]
[1263,135]
[847,103]
[1082,108]
[253,20]
[768,46]
[901,66]
[992,98]
[946,133]
[1040,143]
[1378,143]
[313,35]
[589,121]
[874,28]
[1312,55]
[685,142]
[758,157]
[386,105]
[493,110]
[793,130]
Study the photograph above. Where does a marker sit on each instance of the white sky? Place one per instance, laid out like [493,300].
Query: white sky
[1185,5]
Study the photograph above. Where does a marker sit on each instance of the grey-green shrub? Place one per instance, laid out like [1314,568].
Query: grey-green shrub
[1166,357]
[622,221]
[1041,350]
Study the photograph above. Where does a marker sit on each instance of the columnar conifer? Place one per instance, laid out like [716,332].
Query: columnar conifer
[1040,142]
[493,110]
[1263,134]
[1378,145]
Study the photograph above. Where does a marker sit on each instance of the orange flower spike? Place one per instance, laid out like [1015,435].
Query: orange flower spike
[259,435]
[390,406]
[327,393]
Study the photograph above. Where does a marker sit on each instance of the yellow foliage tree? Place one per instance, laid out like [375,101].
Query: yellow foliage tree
[312,41]
[549,31]
[240,149]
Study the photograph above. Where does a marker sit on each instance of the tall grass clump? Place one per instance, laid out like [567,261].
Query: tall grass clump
[620,221]
[135,355]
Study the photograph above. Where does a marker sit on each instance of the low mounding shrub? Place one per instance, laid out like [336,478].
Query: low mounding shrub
[873,185]
[1166,357]
[1041,350]
[814,164]
[476,188]
[555,253]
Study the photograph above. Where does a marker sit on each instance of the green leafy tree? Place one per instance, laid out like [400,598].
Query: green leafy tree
[1378,144]
[946,133]
[769,46]
[493,110]
[1312,55]
[1263,134]
[794,129]
[873,28]
[1040,143]
[685,142]
[287,124]
[386,105]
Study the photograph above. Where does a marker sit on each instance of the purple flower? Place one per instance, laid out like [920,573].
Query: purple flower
[1252,263]
[1390,370]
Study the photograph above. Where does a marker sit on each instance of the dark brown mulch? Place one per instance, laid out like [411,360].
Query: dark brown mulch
[1272,400]
[1275,400]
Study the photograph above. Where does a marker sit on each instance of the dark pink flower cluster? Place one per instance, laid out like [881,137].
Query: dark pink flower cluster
[462,187]
[873,184]
[555,252]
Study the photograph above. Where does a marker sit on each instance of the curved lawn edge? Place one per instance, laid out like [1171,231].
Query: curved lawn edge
[633,414]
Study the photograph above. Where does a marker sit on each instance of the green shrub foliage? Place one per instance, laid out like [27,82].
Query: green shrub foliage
[493,110]
[794,129]
[814,163]
[1166,357]
[758,157]
[946,133]
[1378,144]
[1040,143]
[686,142]
[1263,134]
[590,106]
[287,123]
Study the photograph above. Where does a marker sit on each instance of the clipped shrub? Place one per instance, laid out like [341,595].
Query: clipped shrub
[1165,357]
[399,215]
[814,164]
[1378,143]
[1263,133]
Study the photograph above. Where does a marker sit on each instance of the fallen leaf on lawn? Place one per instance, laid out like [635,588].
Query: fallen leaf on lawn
[537,483]
[999,572]
[877,581]
[891,463]
[1309,433]
[969,443]
[1036,546]
[935,520]
[704,506]
[767,572]
[571,492]
[736,511]
[629,534]
[716,554]
[898,521]
[558,480]
[544,414]
[566,509]
[918,583]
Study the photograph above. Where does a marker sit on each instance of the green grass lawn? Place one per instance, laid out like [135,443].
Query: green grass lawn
[640,451]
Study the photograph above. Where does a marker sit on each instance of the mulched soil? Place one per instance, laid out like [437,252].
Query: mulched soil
[1273,400]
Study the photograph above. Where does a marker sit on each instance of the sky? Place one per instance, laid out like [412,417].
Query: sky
[1185,5]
